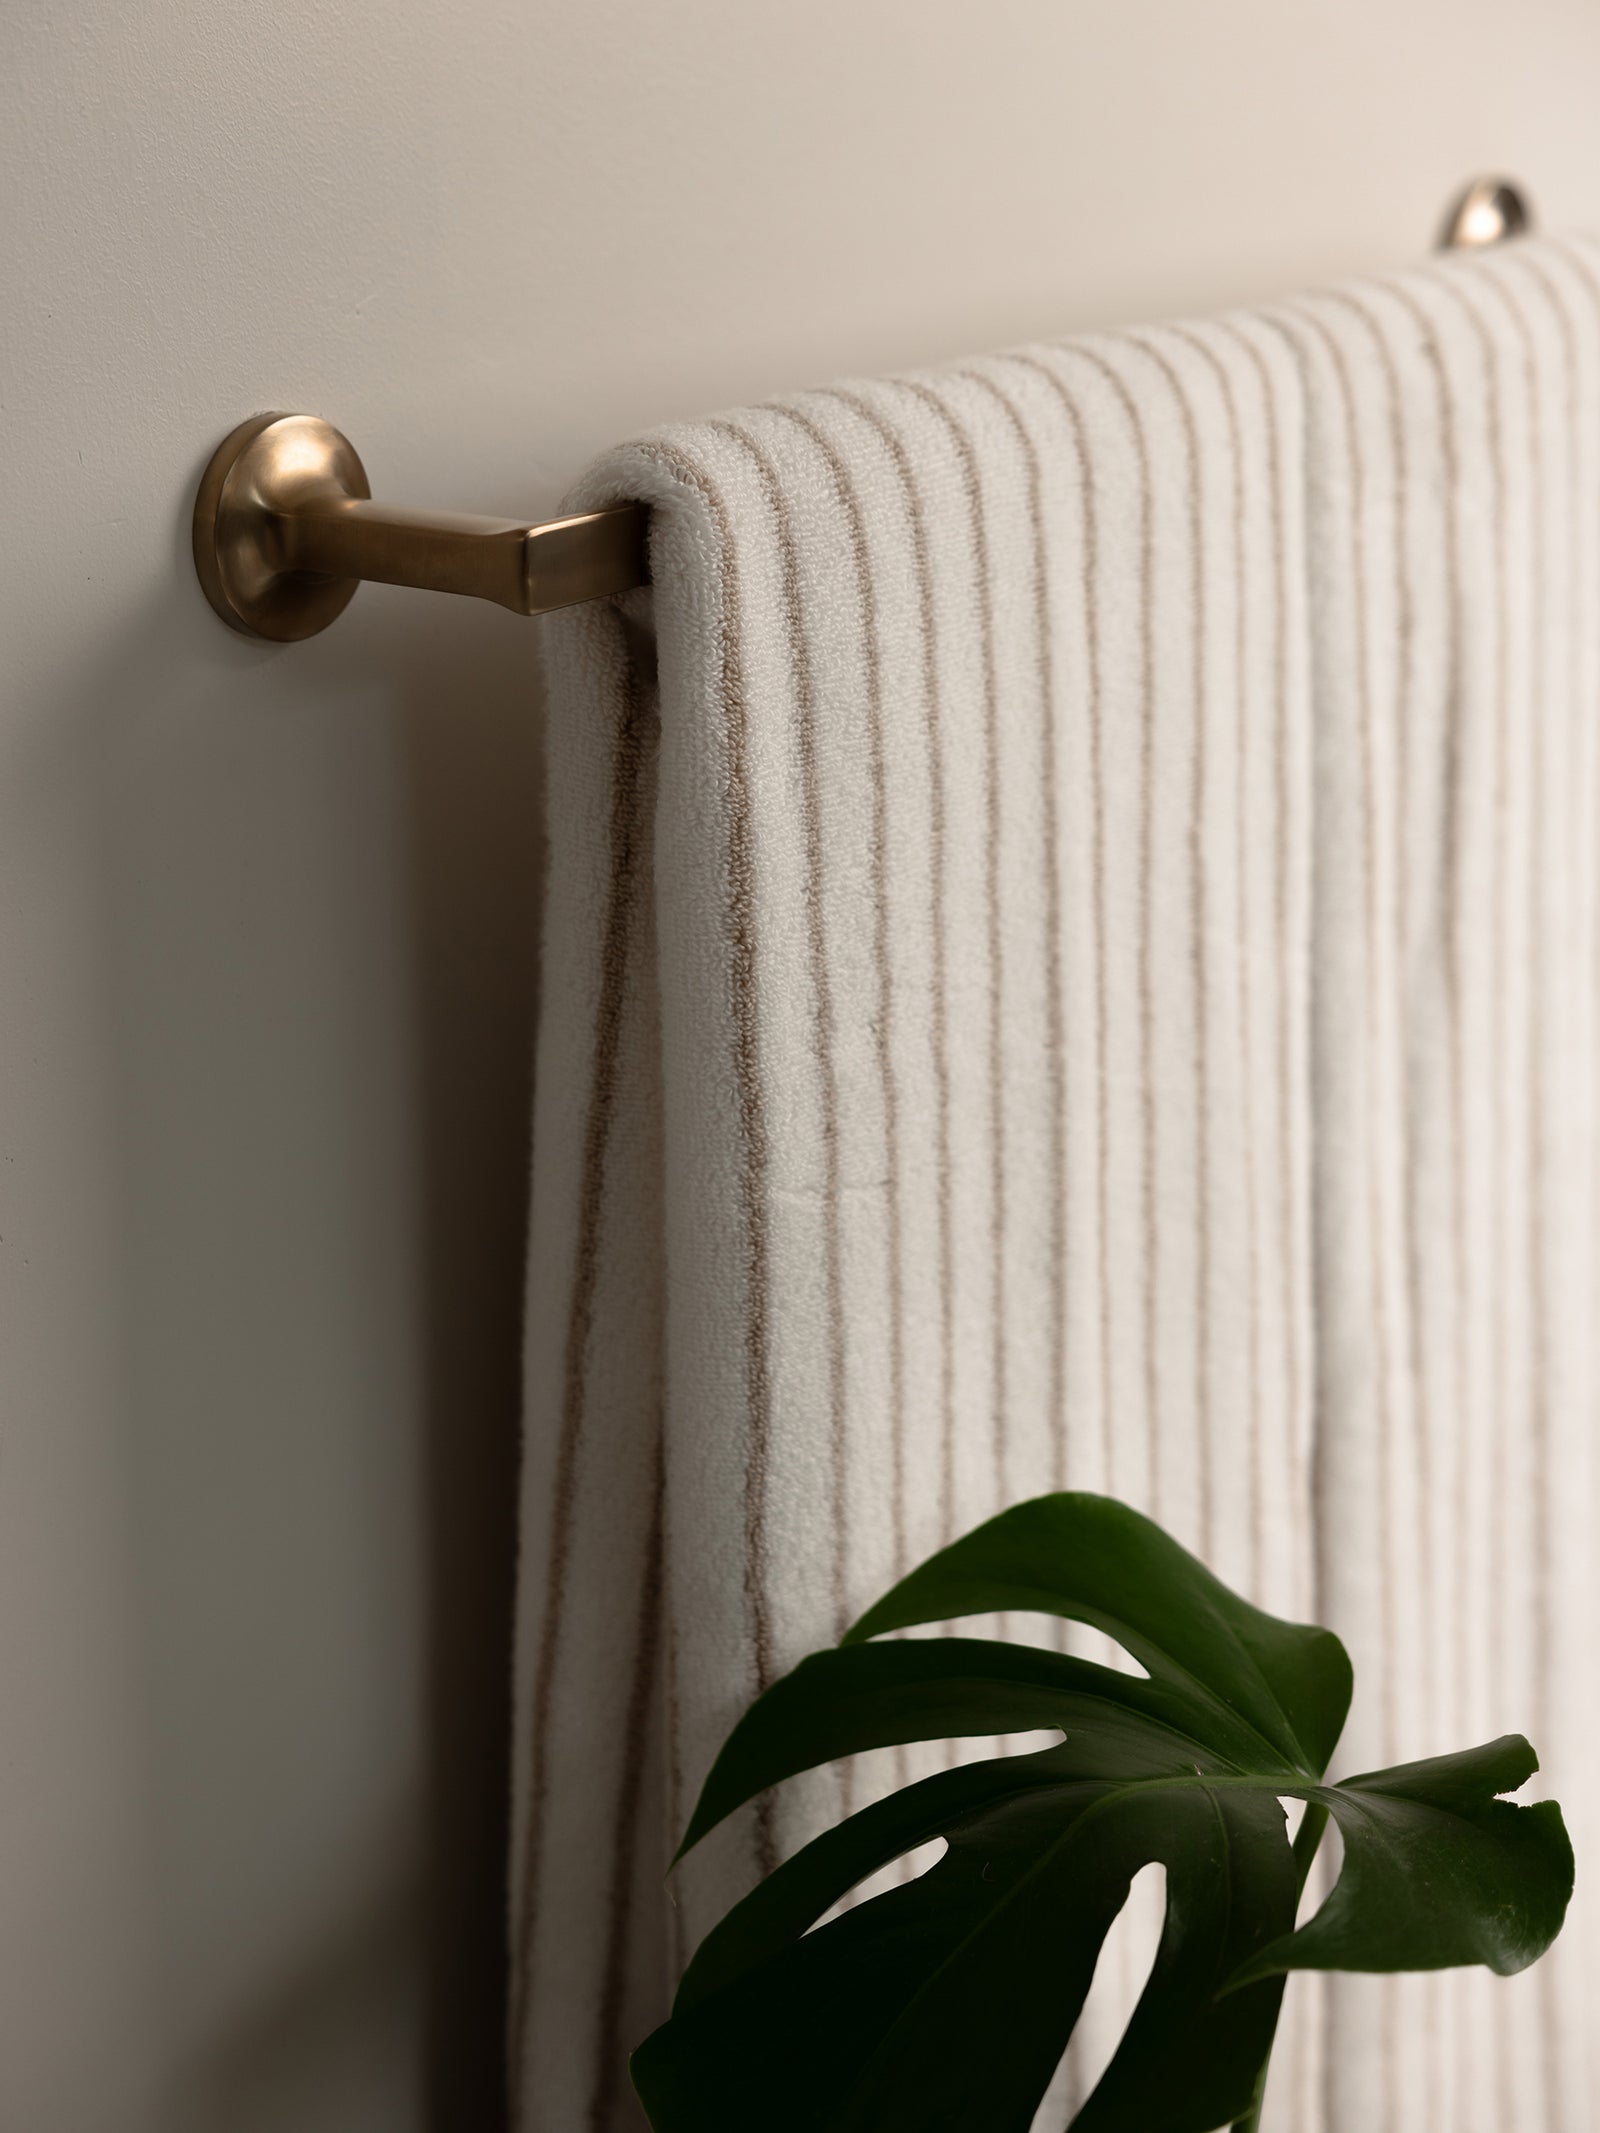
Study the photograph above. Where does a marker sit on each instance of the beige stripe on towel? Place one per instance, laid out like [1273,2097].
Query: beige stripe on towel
[1076,965]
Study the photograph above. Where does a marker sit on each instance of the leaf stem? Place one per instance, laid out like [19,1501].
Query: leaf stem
[1306,1839]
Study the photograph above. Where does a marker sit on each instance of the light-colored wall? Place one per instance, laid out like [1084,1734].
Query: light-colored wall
[267,916]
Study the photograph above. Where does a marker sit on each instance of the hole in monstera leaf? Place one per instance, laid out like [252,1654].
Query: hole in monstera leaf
[1080,1642]
[885,1770]
[909,1867]
[1325,1869]
[1052,1633]
[983,1747]
[1126,1958]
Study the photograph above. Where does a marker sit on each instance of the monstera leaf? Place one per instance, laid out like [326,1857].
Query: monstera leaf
[944,2005]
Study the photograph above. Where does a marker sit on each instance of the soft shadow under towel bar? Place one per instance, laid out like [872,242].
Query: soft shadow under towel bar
[285,528]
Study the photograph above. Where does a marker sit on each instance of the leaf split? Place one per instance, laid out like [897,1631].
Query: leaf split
[944,2006]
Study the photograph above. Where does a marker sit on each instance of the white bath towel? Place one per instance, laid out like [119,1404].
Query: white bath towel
[1453,445]
[1070,961]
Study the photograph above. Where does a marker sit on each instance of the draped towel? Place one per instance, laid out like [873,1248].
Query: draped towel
[1070,960]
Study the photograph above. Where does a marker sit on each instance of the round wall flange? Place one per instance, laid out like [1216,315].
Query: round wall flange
[258,475]
[1487,212]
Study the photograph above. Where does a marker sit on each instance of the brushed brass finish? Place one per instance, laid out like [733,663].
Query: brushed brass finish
[1488,211]
[285,529]
[260,475]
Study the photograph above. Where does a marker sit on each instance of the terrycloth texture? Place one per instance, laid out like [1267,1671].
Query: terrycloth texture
[1453,426]
[1083,973]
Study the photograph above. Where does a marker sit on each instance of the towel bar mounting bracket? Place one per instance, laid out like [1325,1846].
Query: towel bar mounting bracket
[285,529]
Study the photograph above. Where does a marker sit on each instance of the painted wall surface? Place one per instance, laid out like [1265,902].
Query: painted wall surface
[268,916]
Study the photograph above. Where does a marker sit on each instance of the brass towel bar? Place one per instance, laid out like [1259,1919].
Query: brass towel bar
[285,528]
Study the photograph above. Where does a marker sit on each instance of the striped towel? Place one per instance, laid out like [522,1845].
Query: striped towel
[1071,960]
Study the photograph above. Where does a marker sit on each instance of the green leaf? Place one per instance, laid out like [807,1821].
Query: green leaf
[1438,1870]
[945,1688]
[944,2005]
[948,2003]
[1092,1560]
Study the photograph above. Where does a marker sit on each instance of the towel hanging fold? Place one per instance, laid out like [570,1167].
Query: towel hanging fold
[1075,965]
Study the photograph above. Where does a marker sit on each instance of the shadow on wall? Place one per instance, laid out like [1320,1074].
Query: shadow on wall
[471,774]
[318,869]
